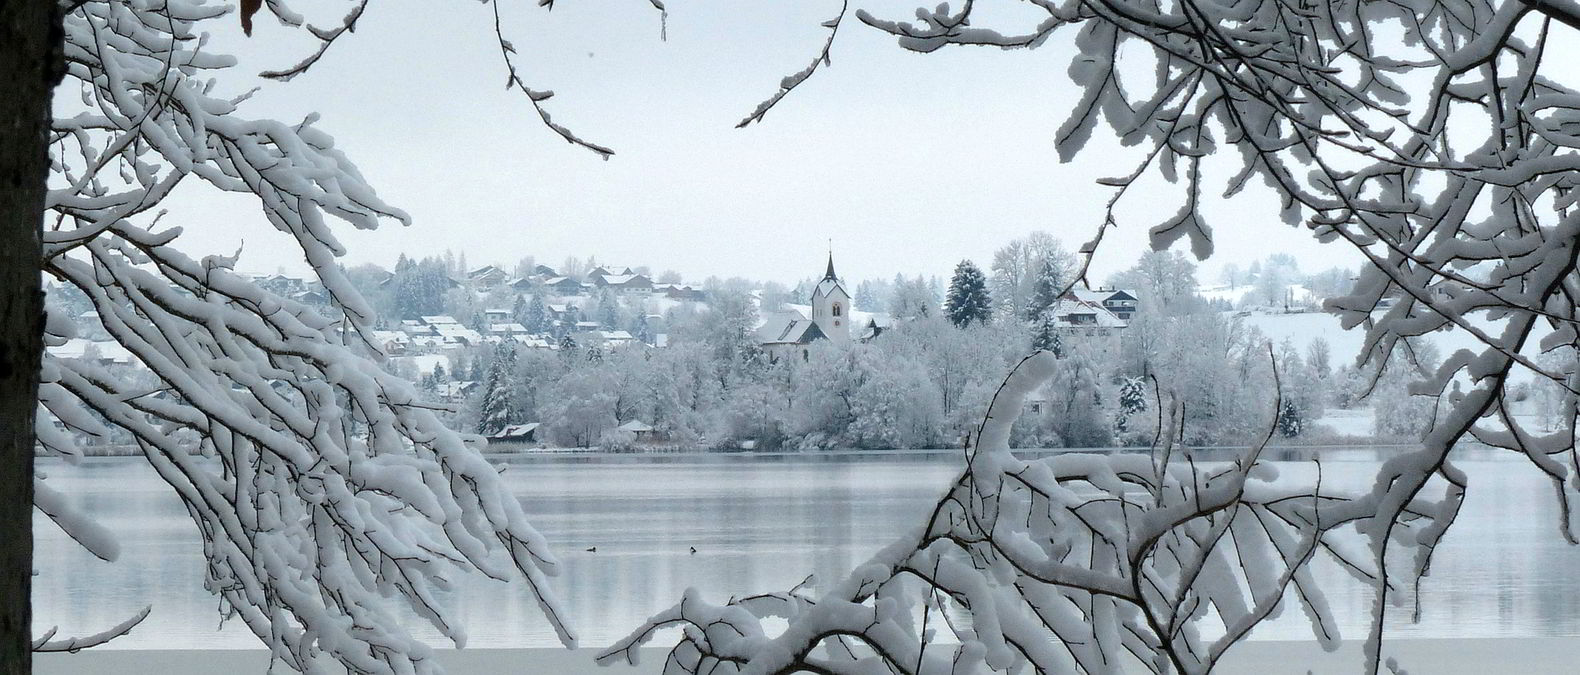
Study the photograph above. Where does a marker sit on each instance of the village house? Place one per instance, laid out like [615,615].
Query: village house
[565,286]
[487,277]
[623,283]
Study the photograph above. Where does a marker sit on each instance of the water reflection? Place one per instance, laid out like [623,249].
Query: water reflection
[761,524]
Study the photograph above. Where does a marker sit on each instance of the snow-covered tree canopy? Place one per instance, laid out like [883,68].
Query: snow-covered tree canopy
[324,489]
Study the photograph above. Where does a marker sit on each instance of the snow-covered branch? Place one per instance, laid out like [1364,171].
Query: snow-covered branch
[324,490]
[1072,563]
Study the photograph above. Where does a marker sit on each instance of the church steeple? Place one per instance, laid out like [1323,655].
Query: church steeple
[831,305]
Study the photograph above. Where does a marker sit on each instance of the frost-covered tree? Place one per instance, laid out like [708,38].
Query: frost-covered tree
[1132,401]
[1429,137]
[608,311]
[1046,287]
[536,317]
[1047,335]
[1290,419]
[1017,266]
[912,298]
[498,391]
[968,301]
[334,492]
[1071,563]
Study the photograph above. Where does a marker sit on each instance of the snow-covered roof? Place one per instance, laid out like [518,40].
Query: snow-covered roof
[438,320]
[616,336]
[77,348]
[635,426]
[1101,295]
[798,332]
[827,287]
[506,328]
[515,431]
[534,341]
[383,336]
[1067,310]
[771,324]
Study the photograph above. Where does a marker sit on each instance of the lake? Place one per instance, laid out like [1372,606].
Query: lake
[759,523]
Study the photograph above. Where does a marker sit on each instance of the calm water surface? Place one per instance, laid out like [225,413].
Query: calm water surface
[758,524]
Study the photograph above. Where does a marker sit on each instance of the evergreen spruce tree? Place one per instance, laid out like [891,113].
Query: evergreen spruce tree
[1132,400]
[968,301]
[518,311]
[1044,291]
[644,332]
[1047,336]
[495,413]
[1289,422]
[537,316]
[608,310]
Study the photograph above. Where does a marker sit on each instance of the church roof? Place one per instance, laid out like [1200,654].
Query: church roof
[799,332]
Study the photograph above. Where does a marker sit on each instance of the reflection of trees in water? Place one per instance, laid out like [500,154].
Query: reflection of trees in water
[761,525]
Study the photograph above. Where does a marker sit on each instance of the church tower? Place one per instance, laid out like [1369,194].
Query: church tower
[831,306]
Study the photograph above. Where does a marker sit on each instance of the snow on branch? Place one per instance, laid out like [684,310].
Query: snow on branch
[49,643]
[325,491]
[1071,563]
[1430,136]
[790,82]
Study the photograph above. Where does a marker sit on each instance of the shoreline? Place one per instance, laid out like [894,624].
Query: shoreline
[581,453]
[1528,656]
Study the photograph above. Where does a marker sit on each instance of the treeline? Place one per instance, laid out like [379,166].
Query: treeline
[926,381]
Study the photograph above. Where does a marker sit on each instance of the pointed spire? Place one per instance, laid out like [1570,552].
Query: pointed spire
[830,273]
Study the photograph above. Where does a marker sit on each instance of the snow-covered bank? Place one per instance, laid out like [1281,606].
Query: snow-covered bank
[1528,656]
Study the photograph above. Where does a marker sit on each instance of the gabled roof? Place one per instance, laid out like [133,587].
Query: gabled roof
[798,332]
[516,431]
[829,282]
[1066,308]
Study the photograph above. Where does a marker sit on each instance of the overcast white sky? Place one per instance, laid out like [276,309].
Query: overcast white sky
[908,162]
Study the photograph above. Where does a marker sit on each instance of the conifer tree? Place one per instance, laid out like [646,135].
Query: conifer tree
[644,332]
[495,414]
[608,310]
[1047,336]
[1289,422]
[536,318]
[1045,290]
[968,301]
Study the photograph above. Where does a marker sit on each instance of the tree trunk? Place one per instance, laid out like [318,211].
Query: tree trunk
[30,66]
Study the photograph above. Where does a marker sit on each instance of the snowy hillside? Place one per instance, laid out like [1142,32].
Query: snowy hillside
[1294,294]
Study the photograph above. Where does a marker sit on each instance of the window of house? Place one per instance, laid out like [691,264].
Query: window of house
[836,309]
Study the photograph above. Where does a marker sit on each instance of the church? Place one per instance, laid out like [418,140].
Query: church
[788,333]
